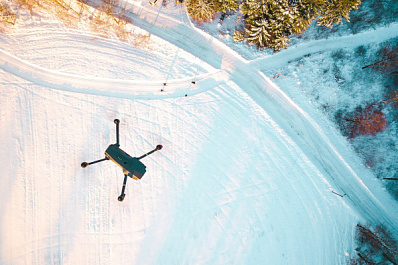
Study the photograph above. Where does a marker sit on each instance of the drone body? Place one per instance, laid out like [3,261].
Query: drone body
[132,166]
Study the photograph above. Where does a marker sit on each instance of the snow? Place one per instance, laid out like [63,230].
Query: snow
[246,175]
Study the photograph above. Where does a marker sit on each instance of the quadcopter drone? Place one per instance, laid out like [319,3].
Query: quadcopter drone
[132,166]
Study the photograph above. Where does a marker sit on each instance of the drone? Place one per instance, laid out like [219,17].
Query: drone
[132,166]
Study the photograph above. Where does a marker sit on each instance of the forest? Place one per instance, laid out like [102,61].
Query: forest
[269,23]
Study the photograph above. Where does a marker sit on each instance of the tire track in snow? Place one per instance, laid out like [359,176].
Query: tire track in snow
[76,45]
[105,86]
[242,196]
[283,57]
[306,132]
[291,118]
[297,124]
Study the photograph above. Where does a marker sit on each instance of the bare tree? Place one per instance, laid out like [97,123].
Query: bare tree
[375,247]
[368,121]
[6,14]
[388,63]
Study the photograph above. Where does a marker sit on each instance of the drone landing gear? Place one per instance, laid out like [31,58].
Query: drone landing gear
[85,164]
[121,197]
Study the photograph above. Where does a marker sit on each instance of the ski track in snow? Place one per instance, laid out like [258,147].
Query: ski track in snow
[106,86]
[257,145]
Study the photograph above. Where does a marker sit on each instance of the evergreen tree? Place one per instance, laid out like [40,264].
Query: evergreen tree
[200,10]
[238,36]
[305,12]
[254,10]
[280,43]
[269,23]
[257,33]
[225,5]
[336,10]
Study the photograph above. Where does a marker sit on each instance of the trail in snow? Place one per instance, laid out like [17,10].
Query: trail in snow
[150,89]
[150,60]
[298,125]
[313,141]
[283,57]
[107,86]
[228,187]
[245,175]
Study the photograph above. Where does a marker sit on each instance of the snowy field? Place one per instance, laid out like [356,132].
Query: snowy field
[245,176]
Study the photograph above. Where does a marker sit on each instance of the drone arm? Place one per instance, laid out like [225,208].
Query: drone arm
[121,197]
[158,147]
[85,164]
[116,121]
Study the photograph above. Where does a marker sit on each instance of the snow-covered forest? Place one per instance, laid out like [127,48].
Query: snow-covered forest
[355,87]
[269,23]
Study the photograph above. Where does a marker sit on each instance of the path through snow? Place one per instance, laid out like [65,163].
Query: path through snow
[246,176]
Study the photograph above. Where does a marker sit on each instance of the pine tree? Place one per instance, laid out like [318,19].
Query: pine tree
[200,10]
[336,10]
[280,43]
[305,11]
[238,36]
[254,10]
[225,5]
[269,23]
[258,34]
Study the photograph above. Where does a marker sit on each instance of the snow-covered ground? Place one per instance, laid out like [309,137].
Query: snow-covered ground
[246,175]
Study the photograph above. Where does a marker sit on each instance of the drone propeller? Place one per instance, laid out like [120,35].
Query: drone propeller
[158,147]
[85,164]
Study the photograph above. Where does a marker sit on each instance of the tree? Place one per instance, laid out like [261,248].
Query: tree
[225,5]
[253,10]
[368,121]
[388,63]
[391,98]
[238,36]
[375,246]
[283,18]
[200,10]
[6,15]
[335,10]
[280,43]
[258,33]
[269,23]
